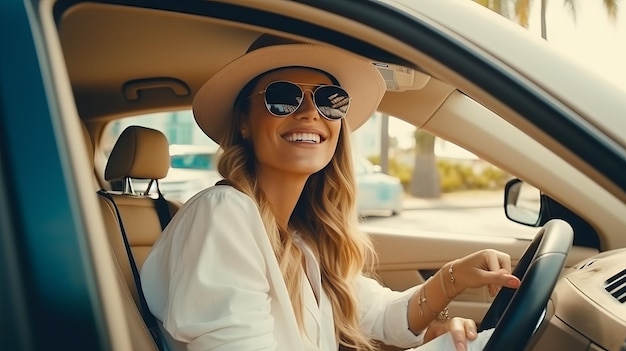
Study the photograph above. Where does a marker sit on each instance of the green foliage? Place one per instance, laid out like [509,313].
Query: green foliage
[470,175]
[454,175]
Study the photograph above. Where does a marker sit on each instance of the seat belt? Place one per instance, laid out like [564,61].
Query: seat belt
[163,209]
[148,317]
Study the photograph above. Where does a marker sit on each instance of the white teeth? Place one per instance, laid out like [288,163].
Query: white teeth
[303,137]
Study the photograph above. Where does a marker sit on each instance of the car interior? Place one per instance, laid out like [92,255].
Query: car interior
[113,59]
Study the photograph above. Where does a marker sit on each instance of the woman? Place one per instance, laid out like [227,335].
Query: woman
[272,259]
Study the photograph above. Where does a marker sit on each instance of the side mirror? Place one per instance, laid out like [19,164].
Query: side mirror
[522,203]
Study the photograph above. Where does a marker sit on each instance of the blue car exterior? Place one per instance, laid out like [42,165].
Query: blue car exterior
[377,192]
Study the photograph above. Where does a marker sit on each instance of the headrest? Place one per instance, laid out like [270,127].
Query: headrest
[139,152]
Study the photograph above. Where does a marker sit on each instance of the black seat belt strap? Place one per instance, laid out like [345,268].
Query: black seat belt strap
[163,209]
[148,317]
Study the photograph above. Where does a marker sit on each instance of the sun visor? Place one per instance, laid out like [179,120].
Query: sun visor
[400,78]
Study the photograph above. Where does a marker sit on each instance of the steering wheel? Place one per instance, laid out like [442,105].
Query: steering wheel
[514,313]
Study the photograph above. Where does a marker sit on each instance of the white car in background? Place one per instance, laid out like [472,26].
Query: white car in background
[377,192]
[192,168]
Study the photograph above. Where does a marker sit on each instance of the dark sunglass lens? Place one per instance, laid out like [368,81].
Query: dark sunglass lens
[282,98]
[333,102]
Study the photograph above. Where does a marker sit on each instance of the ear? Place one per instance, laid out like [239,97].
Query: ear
[244,132]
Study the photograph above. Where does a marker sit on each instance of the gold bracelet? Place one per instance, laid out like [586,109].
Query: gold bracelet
[451,272]
[444,314]
[443,287]
[421,299]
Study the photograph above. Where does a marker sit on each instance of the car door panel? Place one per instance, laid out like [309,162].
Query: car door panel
[406,259]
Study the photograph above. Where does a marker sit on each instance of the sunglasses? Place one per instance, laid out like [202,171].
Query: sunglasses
[283,98]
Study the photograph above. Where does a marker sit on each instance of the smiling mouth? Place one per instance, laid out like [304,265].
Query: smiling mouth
[311,138]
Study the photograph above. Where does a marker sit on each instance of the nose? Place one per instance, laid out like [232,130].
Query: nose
[307,107]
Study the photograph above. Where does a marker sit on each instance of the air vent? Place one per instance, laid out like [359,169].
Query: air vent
[587,264]
[616,286]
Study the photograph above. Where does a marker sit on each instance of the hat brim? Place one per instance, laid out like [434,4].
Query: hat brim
[213,103]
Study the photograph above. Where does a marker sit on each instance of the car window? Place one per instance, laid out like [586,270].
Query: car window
[401,191]
[446,188]
[192,153]
[179,127]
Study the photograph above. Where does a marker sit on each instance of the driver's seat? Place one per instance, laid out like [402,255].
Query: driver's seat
[135,221]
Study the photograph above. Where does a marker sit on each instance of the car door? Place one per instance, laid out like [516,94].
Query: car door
[51,297]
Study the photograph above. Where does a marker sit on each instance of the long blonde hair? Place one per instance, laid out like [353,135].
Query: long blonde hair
[325,211]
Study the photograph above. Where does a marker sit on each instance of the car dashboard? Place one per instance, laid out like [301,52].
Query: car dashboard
[588,306]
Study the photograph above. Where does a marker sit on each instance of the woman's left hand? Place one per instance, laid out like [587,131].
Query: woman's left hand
[461,330]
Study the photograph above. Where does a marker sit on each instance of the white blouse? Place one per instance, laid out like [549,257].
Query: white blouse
[213,281]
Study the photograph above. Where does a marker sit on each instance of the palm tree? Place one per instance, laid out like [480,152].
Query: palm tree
[609,5]
[384,143]
[425,181]
[522,11]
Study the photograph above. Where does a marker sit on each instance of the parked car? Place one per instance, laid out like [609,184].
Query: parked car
[453,69]
[192,168]
[377,192]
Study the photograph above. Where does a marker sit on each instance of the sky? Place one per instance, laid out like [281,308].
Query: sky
[592,39]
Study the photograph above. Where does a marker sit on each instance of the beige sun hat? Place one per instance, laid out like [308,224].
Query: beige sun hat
[213,103]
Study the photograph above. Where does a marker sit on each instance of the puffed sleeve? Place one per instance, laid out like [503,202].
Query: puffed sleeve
[384,313]
[215,256]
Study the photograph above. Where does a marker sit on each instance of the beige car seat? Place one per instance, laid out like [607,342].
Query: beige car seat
[138,153]
[142,338]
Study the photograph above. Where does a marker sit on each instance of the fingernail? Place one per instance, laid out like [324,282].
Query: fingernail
[513,283]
